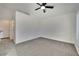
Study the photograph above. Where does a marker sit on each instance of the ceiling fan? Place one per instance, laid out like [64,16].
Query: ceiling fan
[43,6]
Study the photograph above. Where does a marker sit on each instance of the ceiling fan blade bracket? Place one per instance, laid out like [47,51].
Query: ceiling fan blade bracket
[44,4]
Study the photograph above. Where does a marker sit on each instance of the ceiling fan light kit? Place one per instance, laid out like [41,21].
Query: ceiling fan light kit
[43,6]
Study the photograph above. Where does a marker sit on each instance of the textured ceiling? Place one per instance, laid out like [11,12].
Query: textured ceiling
[29,8]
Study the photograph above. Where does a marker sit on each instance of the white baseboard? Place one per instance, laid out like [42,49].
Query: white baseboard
[59,40]
[25,40]
[43,37]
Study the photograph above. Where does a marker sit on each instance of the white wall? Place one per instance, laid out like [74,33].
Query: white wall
[77,29]
[77,32]
[61,28]
[26,27]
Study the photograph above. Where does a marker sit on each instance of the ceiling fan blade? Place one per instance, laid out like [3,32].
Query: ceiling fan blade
[49,7]
[38,4]
[44,10]
[44,4]
[37,8]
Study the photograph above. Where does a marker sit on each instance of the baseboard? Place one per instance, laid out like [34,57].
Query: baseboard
[29,39]
[6,38]
[42,37]
[57,40]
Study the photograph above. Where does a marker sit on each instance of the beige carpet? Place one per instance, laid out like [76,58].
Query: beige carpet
[5,46]
[45,47]
[37,47]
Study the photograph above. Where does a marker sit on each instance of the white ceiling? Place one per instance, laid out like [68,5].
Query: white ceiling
[29,8]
